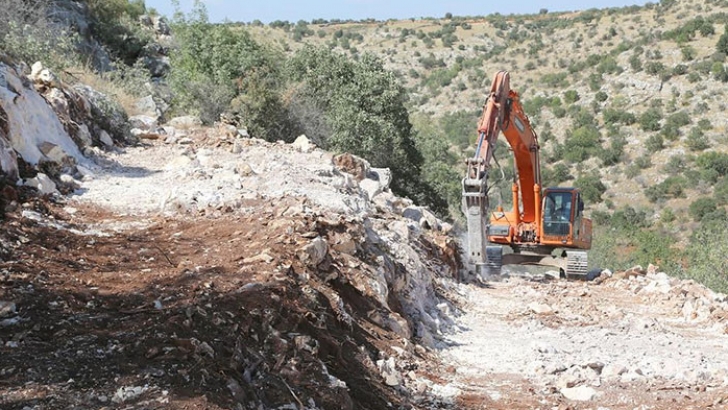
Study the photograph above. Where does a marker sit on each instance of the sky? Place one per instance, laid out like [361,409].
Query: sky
[270,10]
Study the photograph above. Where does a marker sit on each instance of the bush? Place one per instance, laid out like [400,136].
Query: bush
[556,175]
[635,62]
[672,187]
[706,255]
[655,143]
[571,96]
[629,219]
[701,207]
[720,192]
[28,35]
[676,165]
[654,68]
[615,115]
[716,161]
[650,119]
[722,45]
[364,108]
[216,65]
[613,154]
[591,187]
[555,80]
[581,144]
[601,96]
[697,141]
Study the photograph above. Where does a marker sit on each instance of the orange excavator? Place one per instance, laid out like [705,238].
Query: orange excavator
[544,226]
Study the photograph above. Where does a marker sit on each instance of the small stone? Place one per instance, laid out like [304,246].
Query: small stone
[7,309]
[315,252]
[106,139]
[303,144]
[613,371]
[540,308]
[371,187]
[42,183]
[581,393]
[125,394]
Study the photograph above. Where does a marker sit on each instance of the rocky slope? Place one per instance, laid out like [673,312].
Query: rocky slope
[203,269]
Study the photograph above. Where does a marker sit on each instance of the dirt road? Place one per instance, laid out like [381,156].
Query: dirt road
[645,342]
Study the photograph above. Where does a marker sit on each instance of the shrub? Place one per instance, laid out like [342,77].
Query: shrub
[217,68]
[559,112]
[581,144]
[697,141]
[28,35]
[721,191]
[680,69]
[613,154]
[650,119]
[688,53]
[555,80]
[615,115]
[591,187]
[364,107]
[722,45]
[676,165]
[706,255]
[556,175]
[654,68]
[716,161]
[635,62]
[629,218]
[601,96]
[571,96]
[655,143]
[672,187]
[702,207]
[115,25]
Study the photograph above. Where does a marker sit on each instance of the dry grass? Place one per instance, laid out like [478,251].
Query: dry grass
[112,88]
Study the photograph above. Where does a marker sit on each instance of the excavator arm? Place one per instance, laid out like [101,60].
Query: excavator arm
[502,113]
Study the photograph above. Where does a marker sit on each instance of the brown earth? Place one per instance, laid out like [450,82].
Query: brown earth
[201,314]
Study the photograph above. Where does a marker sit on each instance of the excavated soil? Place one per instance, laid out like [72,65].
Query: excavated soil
[183,314]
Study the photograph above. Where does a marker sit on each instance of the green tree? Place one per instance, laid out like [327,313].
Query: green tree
[364,108]
[217,68]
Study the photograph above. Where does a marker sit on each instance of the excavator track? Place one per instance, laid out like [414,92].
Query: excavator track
[576,265]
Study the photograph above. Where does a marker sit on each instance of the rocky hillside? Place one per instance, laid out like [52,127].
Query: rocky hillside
[628,103]
[600,63]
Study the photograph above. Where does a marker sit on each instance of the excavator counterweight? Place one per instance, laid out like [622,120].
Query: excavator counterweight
[544,226]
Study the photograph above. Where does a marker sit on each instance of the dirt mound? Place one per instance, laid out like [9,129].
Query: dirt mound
[275,301]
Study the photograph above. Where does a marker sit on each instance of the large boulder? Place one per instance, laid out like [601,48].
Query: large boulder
[30,125]
[352,164]
[107,113]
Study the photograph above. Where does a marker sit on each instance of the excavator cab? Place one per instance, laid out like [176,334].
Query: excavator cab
[563,222]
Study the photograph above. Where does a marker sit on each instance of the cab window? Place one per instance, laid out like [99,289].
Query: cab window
[557,213]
